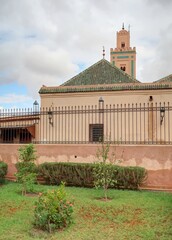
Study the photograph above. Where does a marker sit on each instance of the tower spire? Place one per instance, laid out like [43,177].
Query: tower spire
[123,26]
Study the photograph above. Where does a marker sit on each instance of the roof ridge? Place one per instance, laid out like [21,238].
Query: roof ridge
[90,67]
[164,79]
[124,73]
[84,72]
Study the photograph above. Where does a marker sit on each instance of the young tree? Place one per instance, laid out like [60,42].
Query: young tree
[103,170]
[26,168]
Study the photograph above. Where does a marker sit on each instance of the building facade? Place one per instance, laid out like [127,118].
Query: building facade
[105,101]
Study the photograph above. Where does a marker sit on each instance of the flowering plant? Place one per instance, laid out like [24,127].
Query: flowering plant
[52,210]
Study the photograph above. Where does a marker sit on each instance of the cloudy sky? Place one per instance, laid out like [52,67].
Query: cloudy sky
[46,42]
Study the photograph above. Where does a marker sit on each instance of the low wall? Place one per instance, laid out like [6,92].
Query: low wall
[156,159]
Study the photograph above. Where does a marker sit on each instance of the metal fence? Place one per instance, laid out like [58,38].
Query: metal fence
[148,123]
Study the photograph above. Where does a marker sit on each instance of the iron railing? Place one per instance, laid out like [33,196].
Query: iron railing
[148,123]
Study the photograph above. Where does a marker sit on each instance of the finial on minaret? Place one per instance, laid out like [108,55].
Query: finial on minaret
[103,52]
[123,26]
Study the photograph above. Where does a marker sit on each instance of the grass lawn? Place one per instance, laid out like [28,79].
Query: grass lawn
[130,215]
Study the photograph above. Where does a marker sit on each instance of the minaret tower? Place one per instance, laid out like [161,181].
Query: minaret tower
[124,56]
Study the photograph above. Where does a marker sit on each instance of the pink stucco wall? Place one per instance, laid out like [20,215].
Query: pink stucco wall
[156,159]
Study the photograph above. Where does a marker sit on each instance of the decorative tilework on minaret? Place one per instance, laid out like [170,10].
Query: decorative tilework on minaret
[124,56]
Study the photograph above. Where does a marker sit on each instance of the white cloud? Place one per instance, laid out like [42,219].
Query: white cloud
[8,98]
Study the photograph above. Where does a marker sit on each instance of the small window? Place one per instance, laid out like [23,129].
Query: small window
[123,45]
[95,132]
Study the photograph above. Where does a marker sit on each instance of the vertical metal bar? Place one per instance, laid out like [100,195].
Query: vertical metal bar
[75,126]
[156,123]
[39,135]
[79,124]
[129,123]
[51,126]
[125,122]
[148,123]
[43,123]
[88,115]
[121,124]
[117,124]
[65,127]
[55,124]
[72,124]
[160,123]
[82,128]
[62,128]
[164,125]
[114,122]
[140,124]
[106,123]
[110,115]
[85,118]
[20,132]
[152,114]
[169,140]
[68,125]
[136,124]
[132,123]
[144,123]
[59,125]
[96,114]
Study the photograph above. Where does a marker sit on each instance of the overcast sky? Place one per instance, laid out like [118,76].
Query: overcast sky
[46,42]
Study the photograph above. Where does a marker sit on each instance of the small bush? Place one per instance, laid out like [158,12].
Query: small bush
[52,210]
[82,175]
[3,170]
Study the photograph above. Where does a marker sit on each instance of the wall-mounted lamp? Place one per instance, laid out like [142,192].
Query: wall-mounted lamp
[101,110]
[101,100]
[101,104]
[162,114]
[150,98]
[35,107]
[50,117]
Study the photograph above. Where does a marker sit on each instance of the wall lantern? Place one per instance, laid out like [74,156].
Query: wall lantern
[150,98]
[101,110]
[50,117]
[35,107]
[101,100]
[162,114]
[101,104]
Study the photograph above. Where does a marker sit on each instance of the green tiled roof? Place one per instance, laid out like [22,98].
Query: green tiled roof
[165,79]
[102,76]
[101,72]
[101,88]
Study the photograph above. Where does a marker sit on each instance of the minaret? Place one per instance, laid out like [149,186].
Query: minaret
[124,56]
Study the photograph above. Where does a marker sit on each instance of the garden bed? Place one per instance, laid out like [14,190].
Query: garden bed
[129,215]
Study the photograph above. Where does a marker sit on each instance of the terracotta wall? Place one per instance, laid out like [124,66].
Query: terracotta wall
[156,159]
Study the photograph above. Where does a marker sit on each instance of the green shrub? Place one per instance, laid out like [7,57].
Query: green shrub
[3,170]
[130,177]
[73,174]
[81,174]
[26,168]
[52,210]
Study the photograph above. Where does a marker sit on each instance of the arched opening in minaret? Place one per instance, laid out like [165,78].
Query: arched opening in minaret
[123,44]
[123,68]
